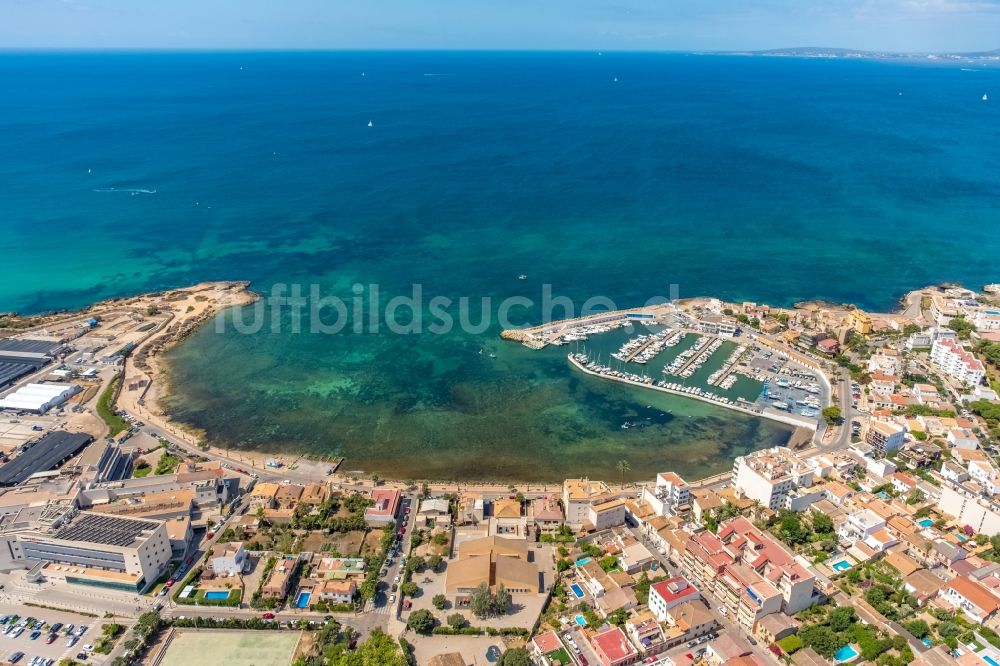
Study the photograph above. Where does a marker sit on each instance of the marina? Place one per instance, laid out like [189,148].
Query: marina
[663,349]
[583,363]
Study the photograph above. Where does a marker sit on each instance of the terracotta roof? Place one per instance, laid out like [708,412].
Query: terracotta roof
[613,644]
[547,642]
[975,594]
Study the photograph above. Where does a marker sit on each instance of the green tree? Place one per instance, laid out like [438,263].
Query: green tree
[515,657]
[832,415]
[623,467]
[439,601]
[421,621]
[841,619]
[501,601]
[790,528]
[641,588]
[820,638]
[822,523]
[481,601]
[962,327]
[918,628]
[409,589]
[456,620]
[380,648]
[619,617]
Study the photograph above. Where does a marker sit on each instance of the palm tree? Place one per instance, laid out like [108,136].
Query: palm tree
[623,468]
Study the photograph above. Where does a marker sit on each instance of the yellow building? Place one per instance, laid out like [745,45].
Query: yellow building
[861,321]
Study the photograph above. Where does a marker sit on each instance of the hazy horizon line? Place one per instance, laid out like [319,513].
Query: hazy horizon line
[389,49]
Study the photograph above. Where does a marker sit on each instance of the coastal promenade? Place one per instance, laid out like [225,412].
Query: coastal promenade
[774,415]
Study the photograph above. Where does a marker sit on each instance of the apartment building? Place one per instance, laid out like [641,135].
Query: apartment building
[772,560]
[666,594]
[770,476]
[670,496]
[953,360]
[885,437]
[970,508]
[578,495]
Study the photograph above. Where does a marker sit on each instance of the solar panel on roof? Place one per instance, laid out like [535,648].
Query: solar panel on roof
[105,529]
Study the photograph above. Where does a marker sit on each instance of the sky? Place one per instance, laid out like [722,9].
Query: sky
[647,25]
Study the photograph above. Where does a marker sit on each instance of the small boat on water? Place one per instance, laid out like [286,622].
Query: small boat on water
[370,124]
[522,277]
[985,98]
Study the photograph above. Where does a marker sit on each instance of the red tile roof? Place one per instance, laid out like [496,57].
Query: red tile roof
[975,594]
[547,642]
[674,589]
[613,644]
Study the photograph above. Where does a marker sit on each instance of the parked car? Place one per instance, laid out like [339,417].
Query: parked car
[51,639]
[15,657]
[268,616]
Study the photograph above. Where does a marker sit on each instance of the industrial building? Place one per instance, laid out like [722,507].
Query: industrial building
[47,453]
[85,548]
[39,398]
[20,357]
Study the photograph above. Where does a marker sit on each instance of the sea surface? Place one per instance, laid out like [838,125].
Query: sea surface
[620,176]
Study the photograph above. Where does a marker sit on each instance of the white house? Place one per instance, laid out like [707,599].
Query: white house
[231,561]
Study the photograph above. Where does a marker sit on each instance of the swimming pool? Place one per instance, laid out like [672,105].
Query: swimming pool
[845,653]
[926,522]
[577,590]
[216,595]
[926,641]
[582,621]
[582,561]
[989,660]
[841,565]
[302,601]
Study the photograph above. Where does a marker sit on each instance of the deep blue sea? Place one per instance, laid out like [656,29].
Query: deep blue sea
[614,175]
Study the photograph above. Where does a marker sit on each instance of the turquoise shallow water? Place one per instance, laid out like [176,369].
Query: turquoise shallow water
[767,179]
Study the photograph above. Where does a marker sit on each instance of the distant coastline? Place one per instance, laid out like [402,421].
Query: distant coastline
[984,58]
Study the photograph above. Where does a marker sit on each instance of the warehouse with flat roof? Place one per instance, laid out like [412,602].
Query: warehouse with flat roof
[47,453]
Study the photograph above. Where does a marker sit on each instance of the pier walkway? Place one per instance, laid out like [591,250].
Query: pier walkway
[705,352]
[731,367]
[774,415]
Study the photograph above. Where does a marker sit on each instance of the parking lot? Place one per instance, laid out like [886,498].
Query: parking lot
[16,635]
